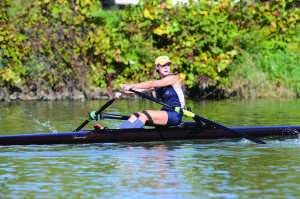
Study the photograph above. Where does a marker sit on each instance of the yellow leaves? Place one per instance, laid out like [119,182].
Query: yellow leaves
[84,3]
[99,40]
[99,32]
[187,44]
[232,53]
[283,28]
[166,28]
[294,47]
[225,2]
[181,77]
[148,15]
[159,31]
[204,56]
[225,59]
[9,75]
[154,13]
[205,13]
[274,25]
[271,29]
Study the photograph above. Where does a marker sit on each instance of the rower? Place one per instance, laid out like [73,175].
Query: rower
[168,88]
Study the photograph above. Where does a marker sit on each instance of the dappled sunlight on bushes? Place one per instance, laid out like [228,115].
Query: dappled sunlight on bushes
[67,46]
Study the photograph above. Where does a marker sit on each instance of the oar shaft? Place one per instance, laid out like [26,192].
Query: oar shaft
[118,117]
[151,98]
[82,125]
[107,104]
[198,118]
[113,116]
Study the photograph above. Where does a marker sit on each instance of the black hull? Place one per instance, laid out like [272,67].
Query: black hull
[145,135]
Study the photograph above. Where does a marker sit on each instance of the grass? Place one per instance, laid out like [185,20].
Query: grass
[267,74]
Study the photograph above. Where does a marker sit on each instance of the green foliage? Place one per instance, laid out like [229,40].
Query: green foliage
[270,25]
[267,73]
[4,5]
[13,51]
[203,39]
[60,44]
[50,36]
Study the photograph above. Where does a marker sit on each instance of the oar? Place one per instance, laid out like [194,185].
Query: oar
[197,118]
[107,104]
[112,116]
[116,117]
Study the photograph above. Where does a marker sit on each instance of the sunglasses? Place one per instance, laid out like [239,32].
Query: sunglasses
[168,64]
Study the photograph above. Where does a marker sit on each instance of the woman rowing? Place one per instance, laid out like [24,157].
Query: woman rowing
[168,88]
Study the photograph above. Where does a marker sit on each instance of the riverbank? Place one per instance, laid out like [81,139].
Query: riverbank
[99,93]
[49,95]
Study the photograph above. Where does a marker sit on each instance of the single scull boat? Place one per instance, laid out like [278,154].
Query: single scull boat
[185,131]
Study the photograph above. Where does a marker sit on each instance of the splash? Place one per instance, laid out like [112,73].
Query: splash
[298,139]
[295,133]
[246,141]
[47,125]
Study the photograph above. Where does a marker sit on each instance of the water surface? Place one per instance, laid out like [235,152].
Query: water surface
[174,169]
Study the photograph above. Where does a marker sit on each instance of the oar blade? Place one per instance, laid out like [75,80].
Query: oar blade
[198,119]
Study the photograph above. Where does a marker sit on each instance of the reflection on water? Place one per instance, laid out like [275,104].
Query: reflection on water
[172,169]
[175,169]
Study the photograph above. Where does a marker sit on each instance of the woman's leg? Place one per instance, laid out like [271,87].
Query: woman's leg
[138,120]
[154,117]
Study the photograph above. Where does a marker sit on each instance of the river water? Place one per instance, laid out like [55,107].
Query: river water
[175,169]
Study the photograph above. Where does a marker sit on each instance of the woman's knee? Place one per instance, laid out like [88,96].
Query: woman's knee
[133,117]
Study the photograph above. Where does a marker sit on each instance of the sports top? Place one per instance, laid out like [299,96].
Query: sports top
[171,96]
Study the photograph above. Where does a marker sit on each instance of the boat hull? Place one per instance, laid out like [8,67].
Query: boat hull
[145,135]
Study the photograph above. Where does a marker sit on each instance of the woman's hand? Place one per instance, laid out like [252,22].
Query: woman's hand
[126,87]
[117,95]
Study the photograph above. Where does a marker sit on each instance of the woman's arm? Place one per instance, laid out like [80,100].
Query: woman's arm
[150,85]
[118,94]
